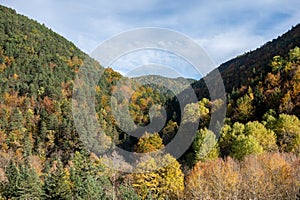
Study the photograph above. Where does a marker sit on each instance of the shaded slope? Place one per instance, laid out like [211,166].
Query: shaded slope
[252,66]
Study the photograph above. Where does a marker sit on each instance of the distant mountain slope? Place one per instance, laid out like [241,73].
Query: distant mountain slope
[245,69]
[165,84]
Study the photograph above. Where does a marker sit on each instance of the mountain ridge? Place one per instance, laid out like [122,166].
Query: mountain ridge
[254,62]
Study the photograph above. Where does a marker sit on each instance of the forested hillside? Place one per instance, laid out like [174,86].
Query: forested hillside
[175,85]
[242,69]
[254,156]
[41,154]
[252,68]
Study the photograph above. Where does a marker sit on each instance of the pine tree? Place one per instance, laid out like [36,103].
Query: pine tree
[16,120]
[29,184]
[126,192]
[23,182]
[57,182]
[85,179]
[9,189]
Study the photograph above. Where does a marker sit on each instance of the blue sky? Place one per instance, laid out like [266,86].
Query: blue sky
[224,29]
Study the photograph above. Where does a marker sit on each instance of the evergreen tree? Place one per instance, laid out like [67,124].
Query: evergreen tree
[23,182]
[29,184]
[205,146]
[126,192]
[57,182]
[86,181]
[9,189]
[16,120]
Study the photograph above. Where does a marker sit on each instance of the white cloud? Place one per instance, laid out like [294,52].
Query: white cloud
[230,44]
[149,62]
[224,28]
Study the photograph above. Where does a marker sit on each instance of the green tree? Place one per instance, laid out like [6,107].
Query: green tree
[245,108]
[29,185]
[91,188]
[228,136]
[9,189]
[287,130]
[23,182]
[245,145]
[294,54]
[197,111]
[57,182]
[16,120]
[126,192]
[277,64]
[265,137]
[205,146]
[86,181]
[240,140]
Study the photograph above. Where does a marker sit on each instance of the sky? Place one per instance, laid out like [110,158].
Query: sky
[224,29]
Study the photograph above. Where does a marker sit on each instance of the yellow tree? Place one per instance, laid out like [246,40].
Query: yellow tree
[216,179]
[245,108]
[165,182]
[287,130]
[158,175]
[148,143]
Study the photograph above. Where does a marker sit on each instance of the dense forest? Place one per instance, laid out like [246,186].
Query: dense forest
[256,154]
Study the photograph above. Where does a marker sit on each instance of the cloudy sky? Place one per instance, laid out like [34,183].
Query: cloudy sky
[224,29]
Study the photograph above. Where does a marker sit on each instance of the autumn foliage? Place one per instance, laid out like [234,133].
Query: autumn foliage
[255,155]
[267,176]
